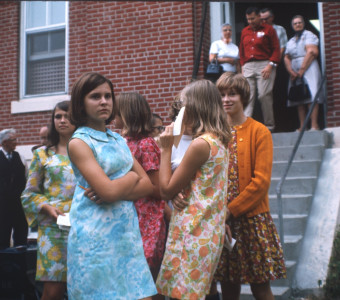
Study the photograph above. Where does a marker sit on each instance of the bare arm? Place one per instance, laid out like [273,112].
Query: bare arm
[196,155]
[223,60]
[312,53]
[154,178]
[288,64]
[126,187]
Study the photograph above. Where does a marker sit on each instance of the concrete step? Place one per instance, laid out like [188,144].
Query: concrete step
[305,167]
[309,152]
[291,204]
[309,138]
[292,224]
[280,293]
[292,247]
[294,185]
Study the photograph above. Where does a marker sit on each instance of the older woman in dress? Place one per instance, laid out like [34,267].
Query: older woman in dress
[301,61]
[226,53]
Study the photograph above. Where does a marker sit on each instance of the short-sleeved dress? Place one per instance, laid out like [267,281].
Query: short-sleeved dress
[105,251]
[296,49]
[196,234]
[150,211]
[50,181]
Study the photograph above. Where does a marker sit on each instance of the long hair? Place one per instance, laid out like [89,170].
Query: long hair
[204,110]
[135,113]
[53,135]
[84,85]
[237,83]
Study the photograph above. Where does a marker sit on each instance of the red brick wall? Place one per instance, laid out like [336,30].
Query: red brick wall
[141,46]
[332,48]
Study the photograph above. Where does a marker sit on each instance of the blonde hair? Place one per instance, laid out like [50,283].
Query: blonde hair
[204,111]
[237,83]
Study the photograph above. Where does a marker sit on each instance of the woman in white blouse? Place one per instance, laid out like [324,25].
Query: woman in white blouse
[225,51]
[301,61]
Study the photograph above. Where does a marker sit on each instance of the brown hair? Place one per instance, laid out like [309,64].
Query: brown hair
[135,113]
[204,111]
[84,85]
[237,83]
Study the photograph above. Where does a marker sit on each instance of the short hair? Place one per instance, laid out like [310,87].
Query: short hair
[53,136]
[235,82]
[204,110]
[266,9]
[6,134]
[154,118]
[252,9]
[298,17]
[135,113]
[225,25]
[84,85]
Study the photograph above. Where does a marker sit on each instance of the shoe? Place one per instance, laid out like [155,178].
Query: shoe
[315,129]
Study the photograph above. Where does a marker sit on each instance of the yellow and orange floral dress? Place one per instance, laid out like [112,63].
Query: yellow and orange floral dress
[196,234]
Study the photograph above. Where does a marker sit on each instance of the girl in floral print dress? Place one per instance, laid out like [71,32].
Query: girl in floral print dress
[49,193]
[196,233]
[134,118]
[257,256]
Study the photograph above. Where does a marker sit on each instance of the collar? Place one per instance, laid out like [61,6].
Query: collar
[262,26]
[96,134]
[5,152]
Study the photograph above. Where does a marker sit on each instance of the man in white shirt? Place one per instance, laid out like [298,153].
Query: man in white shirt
[12,183]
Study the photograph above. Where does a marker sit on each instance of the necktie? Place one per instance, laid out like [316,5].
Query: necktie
[9,155]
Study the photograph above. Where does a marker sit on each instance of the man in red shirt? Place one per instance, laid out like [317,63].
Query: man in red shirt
[259,56]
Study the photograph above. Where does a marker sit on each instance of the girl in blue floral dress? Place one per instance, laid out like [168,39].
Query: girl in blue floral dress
[49,193]
[105,250]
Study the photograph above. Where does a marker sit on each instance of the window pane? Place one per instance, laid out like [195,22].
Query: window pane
[37,43]
[45,76]
[57,40]
[35,14]
[57,12]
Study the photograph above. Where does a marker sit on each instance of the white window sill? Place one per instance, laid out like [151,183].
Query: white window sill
[36,104]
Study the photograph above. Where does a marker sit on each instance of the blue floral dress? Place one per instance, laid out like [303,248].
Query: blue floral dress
[105,250]
[50,181]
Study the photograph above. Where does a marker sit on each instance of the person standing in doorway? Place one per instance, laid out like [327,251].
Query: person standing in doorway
[259,56]
[12,183]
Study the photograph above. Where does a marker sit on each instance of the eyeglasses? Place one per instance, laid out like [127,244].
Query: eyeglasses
[159,128]
[297,23]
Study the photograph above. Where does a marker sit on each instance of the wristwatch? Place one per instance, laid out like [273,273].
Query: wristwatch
[273,64]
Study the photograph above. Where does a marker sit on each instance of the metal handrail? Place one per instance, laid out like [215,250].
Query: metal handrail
[296,146]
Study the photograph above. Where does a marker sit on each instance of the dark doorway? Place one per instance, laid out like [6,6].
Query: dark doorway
[286,119]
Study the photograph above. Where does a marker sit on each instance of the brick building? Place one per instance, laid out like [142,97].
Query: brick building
[149,47]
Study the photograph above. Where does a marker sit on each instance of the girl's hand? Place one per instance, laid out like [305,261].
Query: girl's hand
[167,137]
[90,193]
[179,202]
[51,211]
[228,232]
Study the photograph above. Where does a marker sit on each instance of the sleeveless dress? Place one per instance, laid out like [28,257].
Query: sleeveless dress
[50,181]
[196,234]
[105,251]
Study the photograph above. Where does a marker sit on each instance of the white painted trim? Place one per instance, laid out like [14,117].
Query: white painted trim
[37,104]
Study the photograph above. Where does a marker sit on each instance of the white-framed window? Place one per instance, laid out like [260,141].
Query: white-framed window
[43,53]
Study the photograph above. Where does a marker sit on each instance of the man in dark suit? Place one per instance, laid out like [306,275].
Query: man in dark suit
[12,183]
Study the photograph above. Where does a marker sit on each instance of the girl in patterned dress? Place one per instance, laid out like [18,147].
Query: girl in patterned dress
[257,256]
[49,193]
[105,250]
[196,233]
[134,118]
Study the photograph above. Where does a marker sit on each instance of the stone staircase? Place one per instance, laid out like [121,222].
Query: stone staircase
[297,196]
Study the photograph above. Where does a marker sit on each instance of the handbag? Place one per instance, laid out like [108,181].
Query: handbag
[214,68]
[299,91]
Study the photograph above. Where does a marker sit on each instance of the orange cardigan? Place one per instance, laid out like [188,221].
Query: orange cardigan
[255,159]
